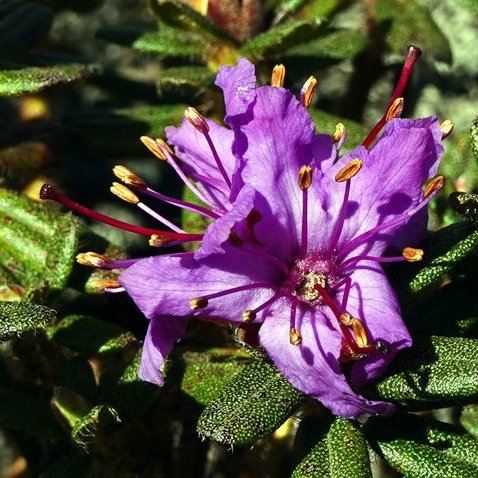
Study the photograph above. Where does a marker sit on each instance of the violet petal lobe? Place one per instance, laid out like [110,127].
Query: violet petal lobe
[313,367]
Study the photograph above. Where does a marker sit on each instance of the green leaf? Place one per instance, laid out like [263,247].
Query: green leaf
[311,451]
[35,78]
[178,14]
[29,414]
[435,371]
[90,335]
[474,137]
[469,419]
[338,45]
[348,452]
[37,244]
[281,37]
[253,404]
[97,419]
[185,76]
[17,318]
[71,466]
[22,26]
[443,251]
[286,8]
[206,373]
[170,43]
[409,22]
[419,447]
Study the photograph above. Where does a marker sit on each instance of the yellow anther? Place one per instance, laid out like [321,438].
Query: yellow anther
[248,316]
[345,318]
[196,119]
[395,110]
[128,177]
[338,133]
[412,255]
[124,193]
[198,303]
[92,259]
[349,170]
[294,336]
[305,177]
[104,284]
[446,128]
[156,240]
[154,147]
[358,330]
[278,76]
[165,146]
[307,91]
[435,184]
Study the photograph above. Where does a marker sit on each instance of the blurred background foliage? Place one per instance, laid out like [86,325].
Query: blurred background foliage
[79,83]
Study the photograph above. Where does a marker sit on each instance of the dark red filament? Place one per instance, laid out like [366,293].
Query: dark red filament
[412,57]
[48,192]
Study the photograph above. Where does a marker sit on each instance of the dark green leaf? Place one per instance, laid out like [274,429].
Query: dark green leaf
[37,244]
[253,404]
[338,45]
[469,419]
[436,370]
[71,466]
[185,76]
[410,22]
[348,452]
[28,414]
[22,26]
[170,43]
[420,447]
[311,451]
[178,14]
[206,373]
[286,8]
[474,137]
[32,79]
[89,335]
[443,251]
[281,37]
[16,318]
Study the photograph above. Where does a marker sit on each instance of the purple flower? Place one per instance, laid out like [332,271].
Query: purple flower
[296,242]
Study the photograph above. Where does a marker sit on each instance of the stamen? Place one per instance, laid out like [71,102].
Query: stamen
[305,180]
[446,128]
[48,192]
[294,337]
[248,316]
[345,174]
[92,259]
[127,195]
[278,76]
[338,133]
[157,240]
[349,170]
[124,193]
[412,255]
[395,110]
[307,92]
[154,147]
[234,290]
[434,185]
[105,284]
[198,303]
[259,252]
[412,57]
[129,178]
[196,119]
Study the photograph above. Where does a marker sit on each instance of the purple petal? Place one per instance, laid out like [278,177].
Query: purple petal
[373,300]
[312,367]
[163,333]
[193,150]
[391,179]
[164,285]
[277,141]
[238,84]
